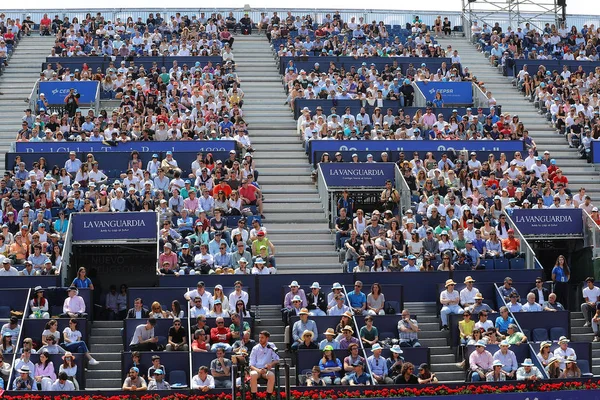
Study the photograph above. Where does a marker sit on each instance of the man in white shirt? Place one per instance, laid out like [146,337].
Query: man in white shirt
[203,381]
[63,383]
[7,269]
[200,291]
[564,351]
[591,295]
[467,295]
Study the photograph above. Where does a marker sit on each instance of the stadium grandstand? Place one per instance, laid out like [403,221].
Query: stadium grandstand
[297,204]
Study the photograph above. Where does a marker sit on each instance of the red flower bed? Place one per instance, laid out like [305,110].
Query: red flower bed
[335,394]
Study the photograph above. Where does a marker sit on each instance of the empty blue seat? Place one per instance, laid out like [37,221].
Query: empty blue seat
[4,312]
[556,333]
[540,334]
[178,376]
[486,263]
[584,366]
[517,263]
[501,263]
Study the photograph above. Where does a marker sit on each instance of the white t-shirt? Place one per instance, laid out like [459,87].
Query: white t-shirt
[592,294]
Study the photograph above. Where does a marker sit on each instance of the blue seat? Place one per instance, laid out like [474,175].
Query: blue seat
[232,221]
[584,366]
[394,304]
[250,219]
[540,334]
[178,376]
[486,263]
[527,333]
[517,263]
[501,263]
[556,333]
[351,265]
[4,312]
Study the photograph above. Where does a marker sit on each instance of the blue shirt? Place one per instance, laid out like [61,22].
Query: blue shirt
[561,276]
[364,379]
[378,365]
[502,324]
[82,284]
[357,299]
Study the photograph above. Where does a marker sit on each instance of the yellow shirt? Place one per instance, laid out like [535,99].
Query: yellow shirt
[466,328]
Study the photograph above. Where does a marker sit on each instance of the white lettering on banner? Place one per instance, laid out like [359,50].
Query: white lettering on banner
[127,223]
[543,219]
[442,91]
[356,172]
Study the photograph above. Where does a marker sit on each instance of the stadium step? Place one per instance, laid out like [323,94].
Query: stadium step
[106,344]
[283,165]
[17,81]
[513,102]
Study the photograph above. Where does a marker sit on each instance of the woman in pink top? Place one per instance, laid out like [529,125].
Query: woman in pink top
[44,374]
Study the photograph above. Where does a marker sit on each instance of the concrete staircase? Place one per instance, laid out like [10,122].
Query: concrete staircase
[16,83]
[106,345]
[268,318]
[580,333]
[443,359]
[578,171]
[295,219]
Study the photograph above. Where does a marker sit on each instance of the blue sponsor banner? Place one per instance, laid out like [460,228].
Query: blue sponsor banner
[452,92]
[332,146]
[57,91]
[549,221]
[595,146]
[114,226]
[357,175]
[142,147]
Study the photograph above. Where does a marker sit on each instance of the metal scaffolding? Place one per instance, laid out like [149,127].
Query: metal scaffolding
[513,13]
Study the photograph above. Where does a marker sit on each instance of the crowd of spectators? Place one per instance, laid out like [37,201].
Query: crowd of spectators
[527,42]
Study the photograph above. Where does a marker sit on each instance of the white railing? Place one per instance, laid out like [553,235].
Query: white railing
[403,189]
[66,253]
[530,259]
[591,234]
[158,246]
[420,100]
[96,104]
[326,196]
[33,96]
[479,98]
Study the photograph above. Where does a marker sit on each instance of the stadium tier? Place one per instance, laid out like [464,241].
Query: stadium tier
[284,204]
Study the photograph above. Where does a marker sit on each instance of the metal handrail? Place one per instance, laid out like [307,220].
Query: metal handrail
[530,258]
[404,190]
[531,349]
[591,234]
[479,98]
[65,256]
[362,347]
[325,195]
[158,244]
[420,99]
[16,350]
[190,352]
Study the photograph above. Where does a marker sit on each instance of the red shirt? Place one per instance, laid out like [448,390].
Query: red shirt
[225,188]
[214,332]
[45,21]
[563,179]
[248,192]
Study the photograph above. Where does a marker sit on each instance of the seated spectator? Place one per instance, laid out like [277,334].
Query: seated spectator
[44,374]
[503,321]
[7,268]
[408,329]
[138,311]
[74,306]
[198,308]
[450,303]
[262,359]
[407,376]
[143,338]
[177,339]
[540,292]
[62,383]
[552,368]
[11,329]
[553,305]
[563,352]
[479,305]
[375,301]
[425,375]
[158,382]
[571,369]
[307,341]
[467,295]
[358,300]
[156,364]
[220,369]
[134,382]
[513,336]
[591,297]
[259,267]
[340,307]
[315,378]
[497,374]
[200,343]
[466,327]
[347,337]
[359,377]
[302,325]
[220,336]
[317,303]
[329,340]
[200,291]
[245,342]
[378,366]
[531,305]
[238,294]
[157,312]
[480,362]
[203,381]
[24,382]
[528,371]
[369,333]
[51,346]
[508,359]
[483,323]
[514,306]
[218,310]
[39,304]
[511,246]
[506,289]
[73,341]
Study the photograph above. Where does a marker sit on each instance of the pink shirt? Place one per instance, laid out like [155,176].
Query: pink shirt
[74,304]
[191,205]
[482,360]
[48,371]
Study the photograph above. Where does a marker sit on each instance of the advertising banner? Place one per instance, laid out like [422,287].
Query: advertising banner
[142,147]
[452,92]
[394,146]
[57,91]
[357,175]
[549,222]
[114,226]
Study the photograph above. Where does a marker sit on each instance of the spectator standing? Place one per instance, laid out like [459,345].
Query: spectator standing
[561,274]
[591,297]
